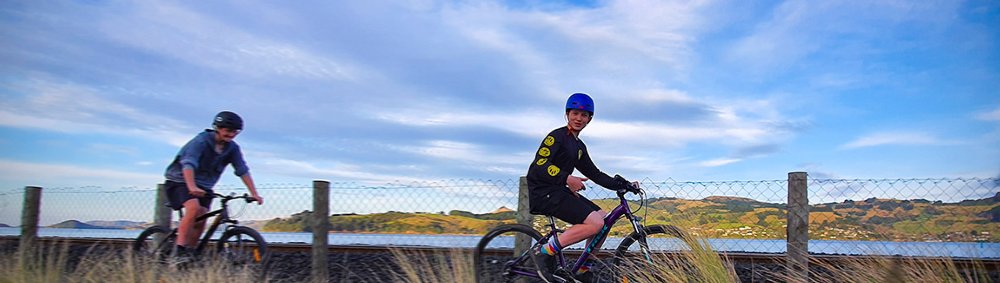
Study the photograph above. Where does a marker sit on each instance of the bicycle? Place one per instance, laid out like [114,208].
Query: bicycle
[489,268]
[239,245]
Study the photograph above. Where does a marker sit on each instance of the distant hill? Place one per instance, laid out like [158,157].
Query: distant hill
[4,225]
[456,222]
[118,224]
[719,217]
[502,209]
[255,224]
[77,225]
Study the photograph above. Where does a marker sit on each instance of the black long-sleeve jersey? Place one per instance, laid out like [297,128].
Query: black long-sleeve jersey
[559,154]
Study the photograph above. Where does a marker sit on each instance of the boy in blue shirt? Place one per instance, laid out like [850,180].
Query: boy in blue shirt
[195,170]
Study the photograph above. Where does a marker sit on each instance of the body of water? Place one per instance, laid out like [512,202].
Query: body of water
[945,249]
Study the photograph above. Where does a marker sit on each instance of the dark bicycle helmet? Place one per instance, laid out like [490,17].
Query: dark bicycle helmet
[580,101]
[228,120]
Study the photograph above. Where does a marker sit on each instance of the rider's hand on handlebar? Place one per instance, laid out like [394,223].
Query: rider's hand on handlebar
[625,185]
[635,187]
[259,199]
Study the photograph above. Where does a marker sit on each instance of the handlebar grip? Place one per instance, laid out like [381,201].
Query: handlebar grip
[247,198]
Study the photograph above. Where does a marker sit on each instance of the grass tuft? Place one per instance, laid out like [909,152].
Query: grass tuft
[56,263]
[422,267]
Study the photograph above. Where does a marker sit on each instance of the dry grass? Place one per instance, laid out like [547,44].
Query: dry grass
[891,269]
[53,263]
[416,267]
[700,264]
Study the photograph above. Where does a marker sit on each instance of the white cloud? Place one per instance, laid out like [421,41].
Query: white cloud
[645,34]
[524,123]
[990,116]
[894,138]
[199,39]
[799,30]
[456,60]
[319,170]
[718,162]
[453,151]
[72,108]
[663,95]
[62,175]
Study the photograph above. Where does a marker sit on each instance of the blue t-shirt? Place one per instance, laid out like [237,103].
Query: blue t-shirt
[199,155]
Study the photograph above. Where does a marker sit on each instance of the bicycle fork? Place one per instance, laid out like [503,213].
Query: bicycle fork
[643,244]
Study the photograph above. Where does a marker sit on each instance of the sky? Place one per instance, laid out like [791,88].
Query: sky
[103,93]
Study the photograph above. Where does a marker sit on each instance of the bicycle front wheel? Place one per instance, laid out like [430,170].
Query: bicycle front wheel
[244,246]
[635,260]
[502,255]
[155,242]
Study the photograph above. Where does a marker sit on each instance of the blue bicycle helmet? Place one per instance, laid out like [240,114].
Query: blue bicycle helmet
[228,120]
[580,101]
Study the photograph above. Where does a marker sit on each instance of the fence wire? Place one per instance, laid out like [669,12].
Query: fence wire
[956,217]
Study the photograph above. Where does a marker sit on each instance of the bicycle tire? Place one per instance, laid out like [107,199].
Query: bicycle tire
[244,246]
[156,242]
[623,259]
[490,266]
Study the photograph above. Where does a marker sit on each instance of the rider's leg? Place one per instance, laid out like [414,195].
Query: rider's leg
[187,233]
[601,215]
[199,226]
[590,226]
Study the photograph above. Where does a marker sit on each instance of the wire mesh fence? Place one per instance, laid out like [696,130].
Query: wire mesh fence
[957,217]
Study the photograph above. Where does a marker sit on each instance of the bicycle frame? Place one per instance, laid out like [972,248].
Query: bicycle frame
[622,209]
[223,218]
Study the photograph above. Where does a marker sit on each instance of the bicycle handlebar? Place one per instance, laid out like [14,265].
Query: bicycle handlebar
[232,196]
[624,186]
[634,190]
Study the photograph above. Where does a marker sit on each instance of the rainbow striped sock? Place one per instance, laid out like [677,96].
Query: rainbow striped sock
[550,248]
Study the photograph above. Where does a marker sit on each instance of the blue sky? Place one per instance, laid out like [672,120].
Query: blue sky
[103,93]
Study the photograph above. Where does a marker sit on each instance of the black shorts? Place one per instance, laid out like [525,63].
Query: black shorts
[566,206]
[177,194]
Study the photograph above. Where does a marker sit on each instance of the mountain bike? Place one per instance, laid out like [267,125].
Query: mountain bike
[239,245]
[633,250]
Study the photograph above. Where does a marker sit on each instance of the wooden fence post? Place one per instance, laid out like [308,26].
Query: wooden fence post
[797,262]
[522,242]
[29,224]
[162,215]
[320,228]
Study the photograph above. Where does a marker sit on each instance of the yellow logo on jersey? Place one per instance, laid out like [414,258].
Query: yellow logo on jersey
[542,161]
[549,141]
[544,152]
[579,154]
[553,170]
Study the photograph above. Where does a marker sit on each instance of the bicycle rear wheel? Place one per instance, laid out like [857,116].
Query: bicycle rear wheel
[244,246]
[635,260]
[496,259]
[155,242]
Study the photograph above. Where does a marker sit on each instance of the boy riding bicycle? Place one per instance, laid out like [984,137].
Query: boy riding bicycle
[195,170]
[554,191]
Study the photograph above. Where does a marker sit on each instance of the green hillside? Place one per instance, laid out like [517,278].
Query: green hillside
[720,217]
